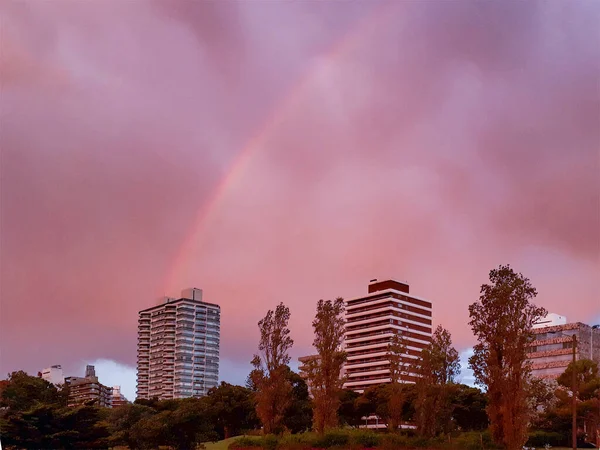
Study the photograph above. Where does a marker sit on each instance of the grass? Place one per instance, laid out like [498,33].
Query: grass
[220,445]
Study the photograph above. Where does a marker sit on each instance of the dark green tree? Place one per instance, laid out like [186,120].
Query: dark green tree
[232,408]
[121,423]
[469,408]
[298,416]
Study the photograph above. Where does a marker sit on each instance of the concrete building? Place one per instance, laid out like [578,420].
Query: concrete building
[178,347]
[88,389]
[53,374]
[371,322]
[302,367]
[118,399]
[552,350]
[551,319]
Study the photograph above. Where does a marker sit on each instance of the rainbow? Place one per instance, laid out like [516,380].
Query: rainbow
[338,50]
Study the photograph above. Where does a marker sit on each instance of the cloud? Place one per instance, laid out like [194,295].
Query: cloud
[111,373]
[427,141]
[466,374]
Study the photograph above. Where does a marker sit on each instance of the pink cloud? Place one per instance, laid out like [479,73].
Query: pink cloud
[447,139]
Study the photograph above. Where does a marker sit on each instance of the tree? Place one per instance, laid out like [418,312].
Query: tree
[437,367]
[298,416]
[351,408]
[273,388]
[232,409]
[121,424]
[469,408]
[22,391]
[399,367]
[587,392]
[502,320]
[324,372]
[189,424]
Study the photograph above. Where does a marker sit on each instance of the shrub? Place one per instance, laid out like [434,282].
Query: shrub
[302,441]
[393,442]
[332,439]
[472,441]
[246,442]
[365,439]
[541,438]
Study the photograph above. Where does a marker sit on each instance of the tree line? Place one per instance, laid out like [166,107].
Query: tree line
[515,407]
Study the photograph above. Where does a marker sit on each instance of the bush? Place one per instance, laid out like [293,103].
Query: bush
[302,441]
[541,438]
[365,439]
[246,442]
[332,438]
[394,442]
[472,441]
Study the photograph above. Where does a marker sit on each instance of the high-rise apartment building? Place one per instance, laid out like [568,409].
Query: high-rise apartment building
[552,350]
[372,321]
[178,347]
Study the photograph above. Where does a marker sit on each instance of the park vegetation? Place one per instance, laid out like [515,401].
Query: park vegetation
[277,409]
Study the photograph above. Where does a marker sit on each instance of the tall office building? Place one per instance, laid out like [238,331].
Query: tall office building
[372,321]
[178,347]
[552,350]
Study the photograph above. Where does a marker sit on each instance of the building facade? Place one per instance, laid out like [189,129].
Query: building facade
[371,322]
[88,389]
[53,374]
[552,350]
[178,347]
[118,399]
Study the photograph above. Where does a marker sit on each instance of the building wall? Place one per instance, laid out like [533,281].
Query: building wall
[87,389]
[552,350]
[53,374]
[178,348]
[372,321]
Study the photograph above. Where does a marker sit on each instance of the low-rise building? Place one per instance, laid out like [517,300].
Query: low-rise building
[118,399]
[552,350]
[88,389]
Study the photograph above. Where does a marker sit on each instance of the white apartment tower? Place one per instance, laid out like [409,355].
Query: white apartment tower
[178,347]
[372,321]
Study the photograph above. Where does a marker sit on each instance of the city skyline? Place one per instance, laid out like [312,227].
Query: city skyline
[288,152]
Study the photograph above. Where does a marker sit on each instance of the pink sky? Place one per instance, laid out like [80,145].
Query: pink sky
[429,141]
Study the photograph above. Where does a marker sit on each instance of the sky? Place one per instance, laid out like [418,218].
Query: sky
[272,152]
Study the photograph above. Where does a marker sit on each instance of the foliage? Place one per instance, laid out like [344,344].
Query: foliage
[332,438]
[324,372]
[53,426]
[542,438]
[557,417]
[587,380]
[21,392]
[272,387]
[298,416]
[121,423]
[394,391]
[474,441]
[502,320]
[469,408]
[352,408]
[232,409]
[437,367]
